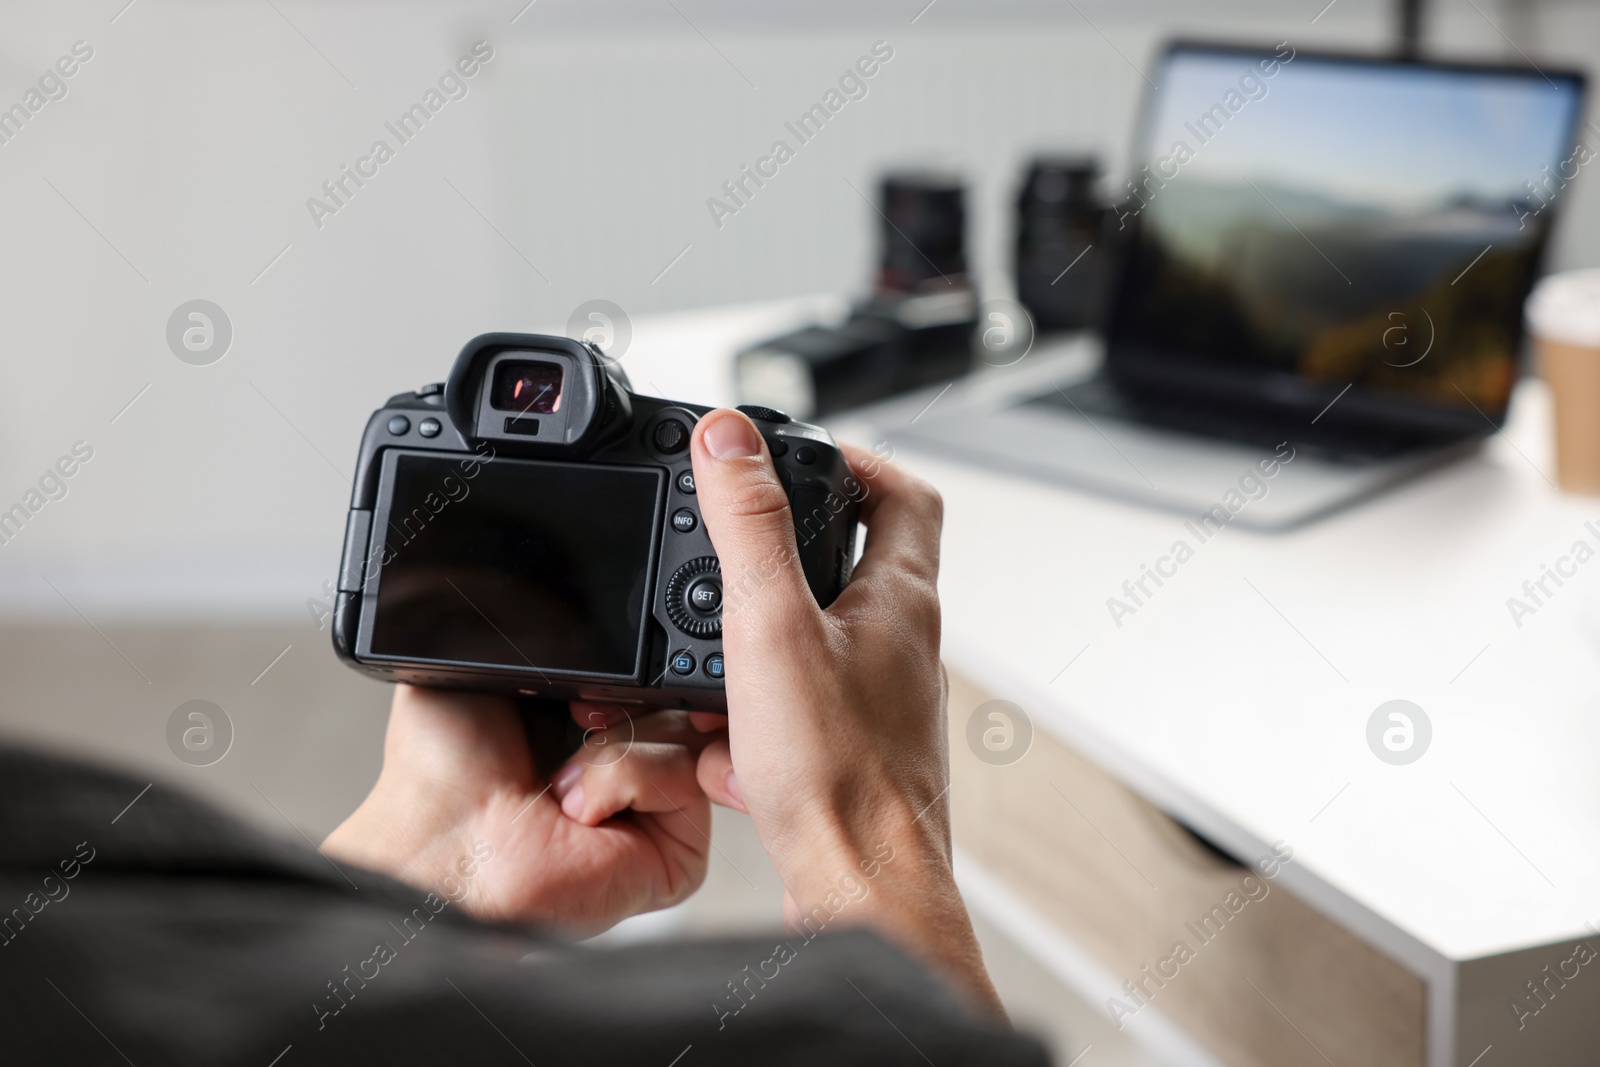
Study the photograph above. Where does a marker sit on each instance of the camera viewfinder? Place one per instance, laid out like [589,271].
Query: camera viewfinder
[525,386]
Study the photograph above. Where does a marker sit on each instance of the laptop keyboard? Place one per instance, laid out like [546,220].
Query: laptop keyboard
[1099,397]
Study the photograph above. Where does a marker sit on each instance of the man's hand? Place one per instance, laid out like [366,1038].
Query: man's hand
[620,828]
[836,738]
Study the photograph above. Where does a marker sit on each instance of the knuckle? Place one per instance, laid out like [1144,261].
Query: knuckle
[757,498]
[914,603]
[674,761]
[929,501]
[870,465]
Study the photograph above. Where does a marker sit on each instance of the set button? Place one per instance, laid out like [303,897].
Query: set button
[705,595]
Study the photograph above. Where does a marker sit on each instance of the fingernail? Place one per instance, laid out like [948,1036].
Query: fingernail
[731,783]
[565,779]
[731,436]
[572,805]
[708,721]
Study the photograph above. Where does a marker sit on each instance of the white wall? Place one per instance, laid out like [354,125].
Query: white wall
[591,142]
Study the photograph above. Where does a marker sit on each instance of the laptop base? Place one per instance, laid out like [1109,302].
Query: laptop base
[1089,435]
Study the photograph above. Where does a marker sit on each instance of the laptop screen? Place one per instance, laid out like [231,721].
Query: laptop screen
[1303,226]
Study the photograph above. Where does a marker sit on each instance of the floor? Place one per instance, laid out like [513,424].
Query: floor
[305,742]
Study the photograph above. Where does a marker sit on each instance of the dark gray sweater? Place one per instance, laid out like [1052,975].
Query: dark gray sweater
[178,935]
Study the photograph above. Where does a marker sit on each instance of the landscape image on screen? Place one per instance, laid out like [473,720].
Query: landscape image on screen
[1346,223]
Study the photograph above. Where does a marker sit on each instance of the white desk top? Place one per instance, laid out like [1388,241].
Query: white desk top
[1243,710]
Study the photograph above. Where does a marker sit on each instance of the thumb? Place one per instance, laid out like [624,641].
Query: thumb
[746,512]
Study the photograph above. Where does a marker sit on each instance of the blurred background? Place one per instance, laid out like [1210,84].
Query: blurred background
[189,556]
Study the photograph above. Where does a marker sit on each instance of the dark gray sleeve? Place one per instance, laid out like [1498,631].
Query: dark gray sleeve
[186,939]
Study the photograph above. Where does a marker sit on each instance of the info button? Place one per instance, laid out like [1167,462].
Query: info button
[705,595]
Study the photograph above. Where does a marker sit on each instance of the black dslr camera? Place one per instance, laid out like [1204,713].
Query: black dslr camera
[530,527]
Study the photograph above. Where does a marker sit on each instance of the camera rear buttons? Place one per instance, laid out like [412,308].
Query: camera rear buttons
[777,446]
[399,424]
[429,427]
[671,436]
[686,483]
[682,662]
[714,666]
[684,520]
[805,454]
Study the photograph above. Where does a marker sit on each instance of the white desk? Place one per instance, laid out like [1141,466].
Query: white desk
[1237,698]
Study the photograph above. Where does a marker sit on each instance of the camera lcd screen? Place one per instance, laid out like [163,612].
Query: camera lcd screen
[524,564]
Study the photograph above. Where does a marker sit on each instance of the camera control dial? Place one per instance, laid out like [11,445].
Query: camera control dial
[694,597]
[765,414]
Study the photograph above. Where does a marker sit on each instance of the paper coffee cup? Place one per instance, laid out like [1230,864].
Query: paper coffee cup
[1563,317]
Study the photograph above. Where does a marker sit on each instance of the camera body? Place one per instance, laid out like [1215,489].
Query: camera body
[530,526]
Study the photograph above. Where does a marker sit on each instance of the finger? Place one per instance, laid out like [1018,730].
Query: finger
[653,778]
[708,721]
[636,720]
[592,716]
[716,776]
[903,515]
[603,745]
[455,737]
[746,512]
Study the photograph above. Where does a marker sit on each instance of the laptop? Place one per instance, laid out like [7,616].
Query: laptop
[1321,266]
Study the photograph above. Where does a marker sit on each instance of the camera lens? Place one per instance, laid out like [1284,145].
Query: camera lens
[923,233]
[527,386]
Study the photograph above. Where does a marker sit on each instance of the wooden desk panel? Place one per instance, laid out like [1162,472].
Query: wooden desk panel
[1262,979]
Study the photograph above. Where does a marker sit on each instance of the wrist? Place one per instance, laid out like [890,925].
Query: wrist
[902,886]
[399,836]
[863,847]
